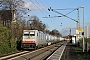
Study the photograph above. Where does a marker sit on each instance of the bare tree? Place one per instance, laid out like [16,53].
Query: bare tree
[47,31]
[35,23]
[17,5]
[55,32]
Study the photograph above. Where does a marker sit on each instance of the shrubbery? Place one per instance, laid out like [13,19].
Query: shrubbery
[85,39]
[5,43]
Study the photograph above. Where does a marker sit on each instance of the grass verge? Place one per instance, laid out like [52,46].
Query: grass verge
[80,55]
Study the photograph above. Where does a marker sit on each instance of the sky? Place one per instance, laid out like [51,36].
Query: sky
[63,24]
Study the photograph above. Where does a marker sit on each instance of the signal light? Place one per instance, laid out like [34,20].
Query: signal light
[82,33]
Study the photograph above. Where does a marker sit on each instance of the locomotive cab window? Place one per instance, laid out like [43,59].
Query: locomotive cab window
[32,33]
[26,34]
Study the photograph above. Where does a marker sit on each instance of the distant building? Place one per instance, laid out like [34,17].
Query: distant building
[6,17]
[87,31]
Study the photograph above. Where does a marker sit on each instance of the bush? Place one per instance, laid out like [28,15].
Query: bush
[85,39]
[5,48]
[5,43]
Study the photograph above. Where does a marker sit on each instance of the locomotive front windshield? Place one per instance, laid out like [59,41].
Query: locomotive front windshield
[32,33]
[29,35]
[26,34]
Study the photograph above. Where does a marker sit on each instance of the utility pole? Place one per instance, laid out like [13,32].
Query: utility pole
[12,22]
[70,31]
[78,19]
[83,28]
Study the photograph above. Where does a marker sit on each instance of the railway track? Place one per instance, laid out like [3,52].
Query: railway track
[11,55]
[39,54]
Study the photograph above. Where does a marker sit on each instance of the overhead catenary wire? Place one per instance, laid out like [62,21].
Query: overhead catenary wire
[37,7]
[66,9]
[67,13]
[45,6]
[42,8]
[71,11]
[47,3]
[63,14]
